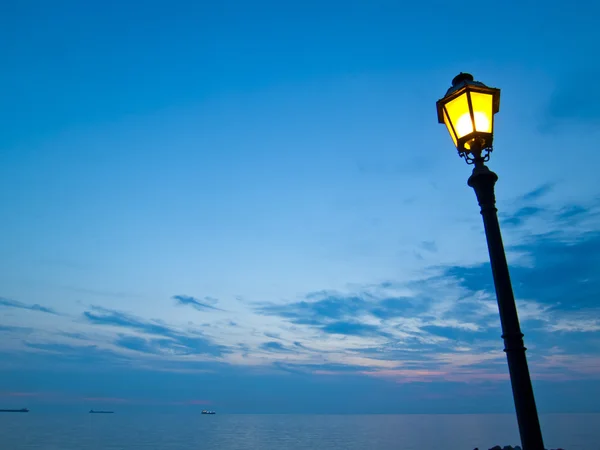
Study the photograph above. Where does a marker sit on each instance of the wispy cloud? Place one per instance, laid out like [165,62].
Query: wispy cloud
[522,214]
[105,316]
[429,246]
[538,192]
[171,341]
[206,304]
[63,397]
[451,317]
[582,324]
[12,329]
[437,326]
[21,394]
[352,329]
[561,272]
[274,346]
[572,211]
[7,303]
[324,308]
[52,354]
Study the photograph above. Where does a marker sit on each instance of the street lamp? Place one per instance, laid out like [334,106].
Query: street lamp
[468,110]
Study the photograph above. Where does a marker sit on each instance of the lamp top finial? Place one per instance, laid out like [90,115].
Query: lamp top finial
[461,77]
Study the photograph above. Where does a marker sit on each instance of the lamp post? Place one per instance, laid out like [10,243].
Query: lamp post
[468,110]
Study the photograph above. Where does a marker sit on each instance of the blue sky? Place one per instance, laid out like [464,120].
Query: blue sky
[250,205]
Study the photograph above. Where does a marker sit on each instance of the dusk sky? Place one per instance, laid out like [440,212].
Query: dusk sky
[250,206]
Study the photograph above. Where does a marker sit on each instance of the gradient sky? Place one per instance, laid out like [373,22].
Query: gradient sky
[251,205]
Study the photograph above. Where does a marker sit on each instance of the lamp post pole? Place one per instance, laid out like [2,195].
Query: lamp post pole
[468,110]
[483,181]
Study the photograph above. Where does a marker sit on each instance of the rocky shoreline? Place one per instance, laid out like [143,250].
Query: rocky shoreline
[510,447]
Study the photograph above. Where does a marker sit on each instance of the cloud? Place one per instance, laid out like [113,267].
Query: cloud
[73,355]
[522,214]
[21,394]
[430,246]
[139,344]
[35,307]
[171,341]
[319,368]
[565,273]
[582,324]
[206,305]
[392,307]
[352,329]
[449,319]
[332,306]
[528,207]
[572,212]
[538,192]
[562,274]
[273,346]
[372,327]
[78,336]
[555,222]
[374,312]
[443,324]
[11,329]
[323,308]
[556,284]
[104,316]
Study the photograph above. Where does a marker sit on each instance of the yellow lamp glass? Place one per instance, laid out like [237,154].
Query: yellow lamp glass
[482,110]
[449,126]
[459,114]
[468,111]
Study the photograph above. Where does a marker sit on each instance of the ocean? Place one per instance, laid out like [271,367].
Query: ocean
[45,431]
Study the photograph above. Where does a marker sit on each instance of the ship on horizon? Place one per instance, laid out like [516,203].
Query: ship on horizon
[204,411]
[101,412]
[23,410]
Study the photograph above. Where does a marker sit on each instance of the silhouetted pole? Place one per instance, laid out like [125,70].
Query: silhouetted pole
[483,181]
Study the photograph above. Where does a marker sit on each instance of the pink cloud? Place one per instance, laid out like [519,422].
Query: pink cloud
[327,372]
[407,375]
[425,375]
[583,365]
[23,394]
[62,398]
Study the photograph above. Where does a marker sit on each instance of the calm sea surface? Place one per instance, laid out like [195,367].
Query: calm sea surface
[285,432]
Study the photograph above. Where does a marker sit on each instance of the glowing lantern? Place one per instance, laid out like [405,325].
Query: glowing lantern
[468,110]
